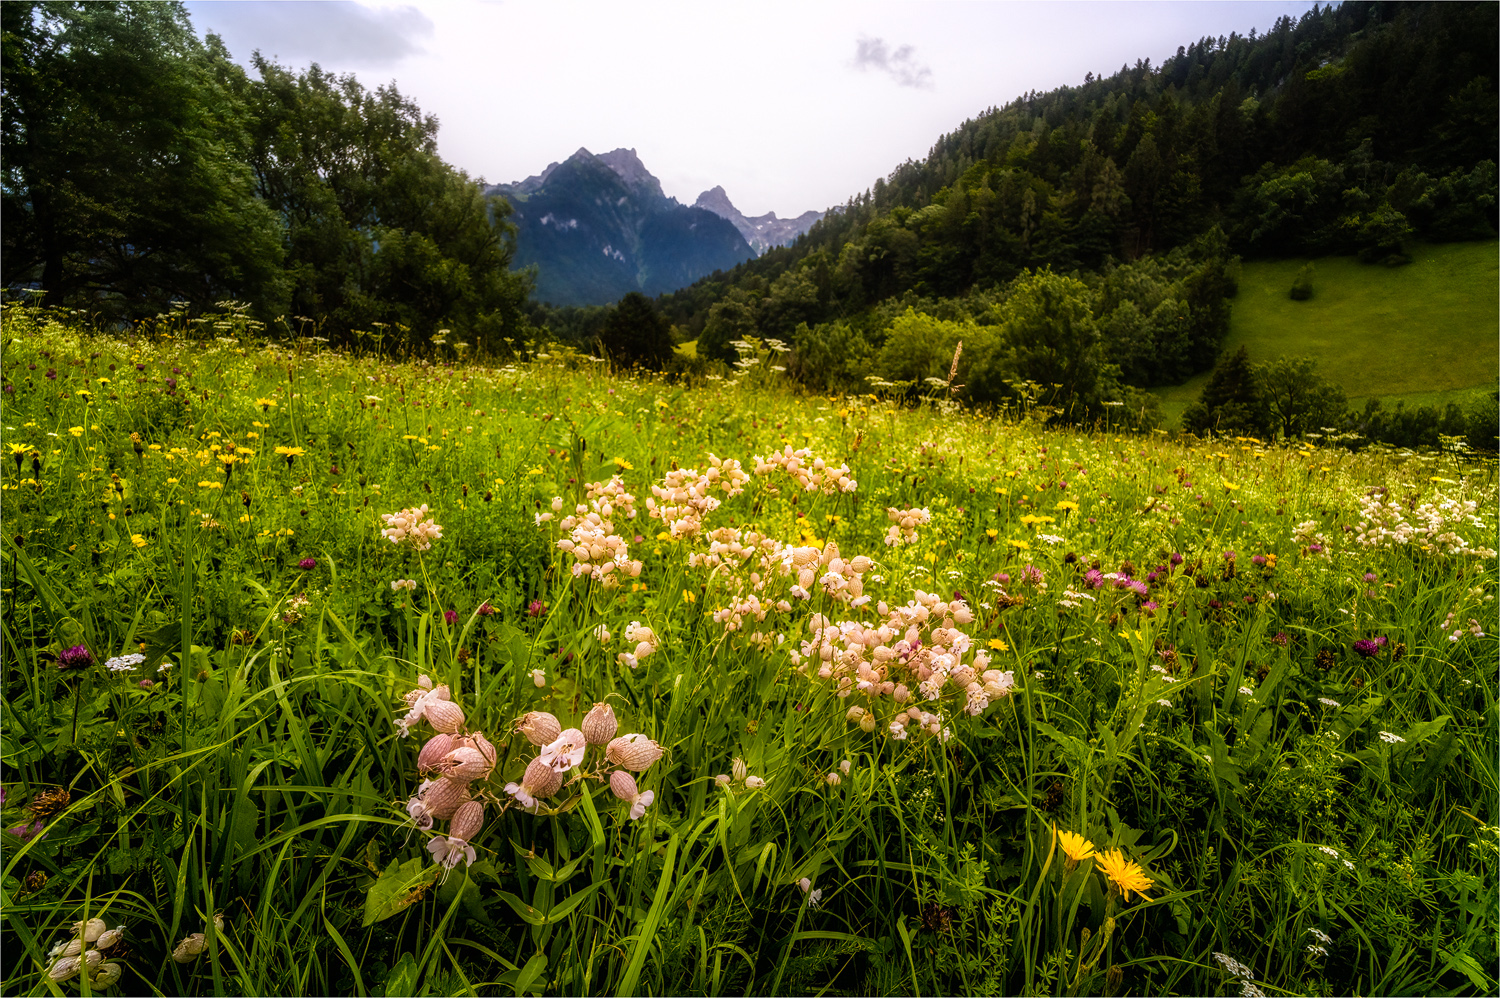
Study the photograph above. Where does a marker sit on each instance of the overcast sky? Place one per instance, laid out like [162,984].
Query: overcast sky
[789,106]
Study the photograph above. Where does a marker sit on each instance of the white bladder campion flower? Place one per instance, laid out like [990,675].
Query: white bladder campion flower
[412,526]
[634,752]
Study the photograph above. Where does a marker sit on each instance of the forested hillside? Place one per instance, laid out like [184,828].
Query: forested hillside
[1355,129]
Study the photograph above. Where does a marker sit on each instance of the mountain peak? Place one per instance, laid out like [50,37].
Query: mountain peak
[761,232]
[629,168]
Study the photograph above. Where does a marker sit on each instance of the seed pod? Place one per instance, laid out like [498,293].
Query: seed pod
[107,976]
[90,930]
[539,727]
[541,779]
[444,715]
[635,752]
[467,821]
[73,948]
[622,784]
[600,724]
[431,756]
[111,937]
[187,951]
[92,959]
[465,764]
[445,797]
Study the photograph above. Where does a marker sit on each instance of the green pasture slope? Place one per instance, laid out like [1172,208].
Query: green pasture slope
[1425,333]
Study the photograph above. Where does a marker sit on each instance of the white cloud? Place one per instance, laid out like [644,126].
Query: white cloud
[900,65]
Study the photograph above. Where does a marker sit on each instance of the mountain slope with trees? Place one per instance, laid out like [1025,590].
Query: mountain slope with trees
[1353,129]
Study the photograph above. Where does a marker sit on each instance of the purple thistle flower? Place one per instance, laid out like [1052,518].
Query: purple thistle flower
[1176,559]
[485,610]
[1138,587]
[1280,640]
[1093,578]
[450,616]
[1229,556]
[1371,577]
[307,564]
[535,608]
[1031,575]
[1150,607]
[1369,649]
[1259,559]
[75,657]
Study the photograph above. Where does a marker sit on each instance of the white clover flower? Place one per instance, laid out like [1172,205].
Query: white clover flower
[399,584]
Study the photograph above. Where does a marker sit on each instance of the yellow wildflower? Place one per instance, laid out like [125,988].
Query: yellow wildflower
[1074,845]
[77,431]
[1125,875]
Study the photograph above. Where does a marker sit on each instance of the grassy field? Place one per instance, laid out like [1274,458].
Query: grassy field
[911,701]
[1426,333]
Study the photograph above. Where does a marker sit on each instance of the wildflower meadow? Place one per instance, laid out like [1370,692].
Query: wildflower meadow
[332,674]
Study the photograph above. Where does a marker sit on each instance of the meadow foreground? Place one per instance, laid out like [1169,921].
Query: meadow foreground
[324,674]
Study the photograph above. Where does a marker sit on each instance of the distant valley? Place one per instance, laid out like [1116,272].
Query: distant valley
[600,226]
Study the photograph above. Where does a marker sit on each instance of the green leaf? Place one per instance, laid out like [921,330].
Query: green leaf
[399,886]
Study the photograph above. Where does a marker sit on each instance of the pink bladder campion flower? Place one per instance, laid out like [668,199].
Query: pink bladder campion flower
[538,782]
[622,785]
[412,526]
[600,724]
[634,752]
[566,751]
[539,727]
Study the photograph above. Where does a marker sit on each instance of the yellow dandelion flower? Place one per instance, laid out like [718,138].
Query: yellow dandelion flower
[999,645]
[290,451]
[623,464]
[1019,545]
[266,404]
[210,485]
[1074,845]
[138,540]
[992,533]
[1125,875]
[1066,505]
[77,431]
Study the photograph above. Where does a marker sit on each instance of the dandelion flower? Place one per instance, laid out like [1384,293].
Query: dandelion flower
[1125,875]
[1074,845]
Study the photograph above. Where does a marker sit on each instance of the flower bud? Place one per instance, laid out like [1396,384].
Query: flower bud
[91,960]
[738,770]
[445,797]
[541,779]
[867,723]
[622,784]
[444,715]
[539,727]
[65,968]
[723,779]
[467,821]
[110,937]
[754,782]
[600,724]
[108,976]
[73,948]
[187,951]
[90,930]
[855,713]
[833,779]
[635,752]
[431,756]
